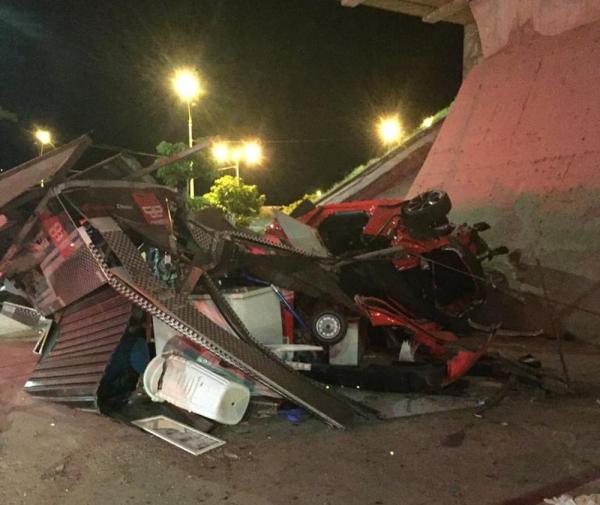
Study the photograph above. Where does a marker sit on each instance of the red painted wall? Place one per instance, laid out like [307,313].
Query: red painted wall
[521,149]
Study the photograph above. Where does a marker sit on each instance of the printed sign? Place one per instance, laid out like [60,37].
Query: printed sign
[58,235]
[151,207]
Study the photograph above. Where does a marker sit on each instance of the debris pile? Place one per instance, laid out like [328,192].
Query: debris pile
[206,316]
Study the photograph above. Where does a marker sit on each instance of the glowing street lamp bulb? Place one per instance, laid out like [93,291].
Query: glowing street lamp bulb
[427,122]
[389,129]
[43,136]
[220,152]
[236,155]
[187,85]
[252,153]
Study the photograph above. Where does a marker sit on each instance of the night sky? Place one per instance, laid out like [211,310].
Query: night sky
[309,74]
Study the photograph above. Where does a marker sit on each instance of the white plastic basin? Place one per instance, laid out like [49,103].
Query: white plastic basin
[190,386]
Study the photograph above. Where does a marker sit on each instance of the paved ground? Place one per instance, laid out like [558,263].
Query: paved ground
[528,444]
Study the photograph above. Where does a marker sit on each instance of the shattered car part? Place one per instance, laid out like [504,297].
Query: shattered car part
[426,334]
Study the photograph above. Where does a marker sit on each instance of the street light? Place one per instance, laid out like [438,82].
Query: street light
[220,152]
[252,153]
[249,152]
[390,130]
[44,137]
[187,87]
[187,84]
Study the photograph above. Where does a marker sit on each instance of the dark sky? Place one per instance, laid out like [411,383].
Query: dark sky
[296,70]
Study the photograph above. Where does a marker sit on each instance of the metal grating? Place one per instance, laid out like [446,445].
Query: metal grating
[21,314]
[89,332]
[260,240]
[204,240]
[174,309]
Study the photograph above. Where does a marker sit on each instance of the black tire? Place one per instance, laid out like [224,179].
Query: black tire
[432,206]
[328,327]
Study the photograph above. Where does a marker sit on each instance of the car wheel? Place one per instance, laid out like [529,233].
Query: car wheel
[329,327]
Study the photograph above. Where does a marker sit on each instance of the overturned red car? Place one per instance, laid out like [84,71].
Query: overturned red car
[416,276]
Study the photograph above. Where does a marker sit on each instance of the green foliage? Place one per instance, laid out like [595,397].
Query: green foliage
[242,201]
[197,203]
[176,174]
[313,197]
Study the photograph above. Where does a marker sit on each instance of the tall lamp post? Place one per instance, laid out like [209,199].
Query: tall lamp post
[187,87]
[44,137]
[235,152]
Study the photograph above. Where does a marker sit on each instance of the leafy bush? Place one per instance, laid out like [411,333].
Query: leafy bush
[242,201]
[313,197]
[197,203]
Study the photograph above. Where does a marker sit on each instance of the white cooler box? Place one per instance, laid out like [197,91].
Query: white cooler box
[190,386]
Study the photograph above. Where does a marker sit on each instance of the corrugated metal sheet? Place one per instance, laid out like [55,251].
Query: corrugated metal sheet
[89,332]
[19,179]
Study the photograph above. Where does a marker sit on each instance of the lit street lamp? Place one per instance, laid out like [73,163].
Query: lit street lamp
[248,152]
[390,130]
[44,137]
[187,87]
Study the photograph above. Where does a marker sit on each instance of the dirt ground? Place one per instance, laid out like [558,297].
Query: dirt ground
[528,447]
